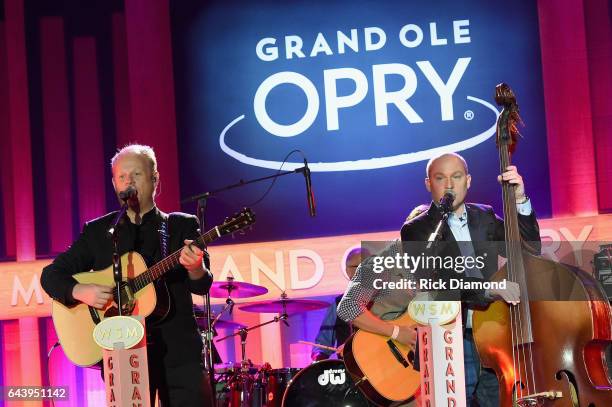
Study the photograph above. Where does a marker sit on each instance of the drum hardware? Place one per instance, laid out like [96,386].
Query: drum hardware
[217,323]
[243,385]
[221,289]
[283,306]
[225,289]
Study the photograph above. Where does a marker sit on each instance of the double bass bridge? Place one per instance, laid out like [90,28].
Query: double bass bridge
[537,399]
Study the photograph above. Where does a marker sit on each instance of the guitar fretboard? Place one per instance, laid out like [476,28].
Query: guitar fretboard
[170,262]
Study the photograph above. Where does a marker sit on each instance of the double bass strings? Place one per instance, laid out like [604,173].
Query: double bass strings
[514,255]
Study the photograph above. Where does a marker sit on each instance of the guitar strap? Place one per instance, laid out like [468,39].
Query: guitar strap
[164,235]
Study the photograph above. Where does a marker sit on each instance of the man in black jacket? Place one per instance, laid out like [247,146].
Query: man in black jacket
[174,345]
[469,231]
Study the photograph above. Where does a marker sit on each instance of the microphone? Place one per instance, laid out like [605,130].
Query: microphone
[129,193]
[309,195]
[446,202]
[446,206]
[125,195]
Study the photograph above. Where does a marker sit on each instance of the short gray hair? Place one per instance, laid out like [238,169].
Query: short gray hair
[137,149]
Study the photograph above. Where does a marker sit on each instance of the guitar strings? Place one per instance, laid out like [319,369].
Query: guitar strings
[171,261]
[166,264]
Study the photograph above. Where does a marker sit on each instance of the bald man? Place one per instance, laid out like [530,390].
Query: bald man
[467,226]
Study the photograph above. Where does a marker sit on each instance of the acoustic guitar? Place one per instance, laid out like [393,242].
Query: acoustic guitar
[382,368]
[75,324]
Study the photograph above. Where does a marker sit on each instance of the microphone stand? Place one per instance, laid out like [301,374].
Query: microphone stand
[206,195]
[113,233]
[436,235]
[446,207]
[209,332]
[201,200]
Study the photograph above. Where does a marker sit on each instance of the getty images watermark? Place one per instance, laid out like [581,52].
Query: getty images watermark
[559,269]
[447,267]
[432,264]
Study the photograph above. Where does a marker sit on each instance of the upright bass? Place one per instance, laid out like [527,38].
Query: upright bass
[549,349]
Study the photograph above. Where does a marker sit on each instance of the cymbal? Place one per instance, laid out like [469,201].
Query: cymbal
[200,315]
[285,305]
[235,289]
[221,324]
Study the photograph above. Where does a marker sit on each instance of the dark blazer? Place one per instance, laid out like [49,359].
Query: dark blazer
[176,340]
[484,226]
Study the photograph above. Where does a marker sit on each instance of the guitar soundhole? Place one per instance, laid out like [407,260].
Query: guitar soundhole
[111,312]
[127,301]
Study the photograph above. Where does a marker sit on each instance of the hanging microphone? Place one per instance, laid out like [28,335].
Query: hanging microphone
[309,195]
[129,193]
[446,202]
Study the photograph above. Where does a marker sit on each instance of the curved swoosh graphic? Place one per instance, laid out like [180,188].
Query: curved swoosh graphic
[365,164]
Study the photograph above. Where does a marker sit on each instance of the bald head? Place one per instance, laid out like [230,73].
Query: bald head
[445,156]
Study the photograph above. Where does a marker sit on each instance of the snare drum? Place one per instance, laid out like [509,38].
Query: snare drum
[323,384]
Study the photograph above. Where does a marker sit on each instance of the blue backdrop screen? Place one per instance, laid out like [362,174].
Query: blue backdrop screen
[367,91]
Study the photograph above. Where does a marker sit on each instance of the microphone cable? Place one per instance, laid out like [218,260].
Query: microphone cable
[277,172]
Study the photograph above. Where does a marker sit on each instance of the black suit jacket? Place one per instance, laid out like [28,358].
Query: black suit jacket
[174,341]
[485,227]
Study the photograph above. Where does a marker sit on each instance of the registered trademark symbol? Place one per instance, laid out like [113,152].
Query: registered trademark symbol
[468,115]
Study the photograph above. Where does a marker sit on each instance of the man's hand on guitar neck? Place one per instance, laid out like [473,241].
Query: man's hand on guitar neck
[94,295]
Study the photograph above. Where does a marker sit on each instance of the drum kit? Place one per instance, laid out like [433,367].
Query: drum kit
[242,384]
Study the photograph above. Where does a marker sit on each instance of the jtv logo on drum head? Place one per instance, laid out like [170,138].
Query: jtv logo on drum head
[333,376]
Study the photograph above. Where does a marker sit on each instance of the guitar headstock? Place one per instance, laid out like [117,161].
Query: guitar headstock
[238,221]
[507,130]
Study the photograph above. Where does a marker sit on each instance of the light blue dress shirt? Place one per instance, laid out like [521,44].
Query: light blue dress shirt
[459,226]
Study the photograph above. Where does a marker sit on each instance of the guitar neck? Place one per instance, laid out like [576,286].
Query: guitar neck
[170,262]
